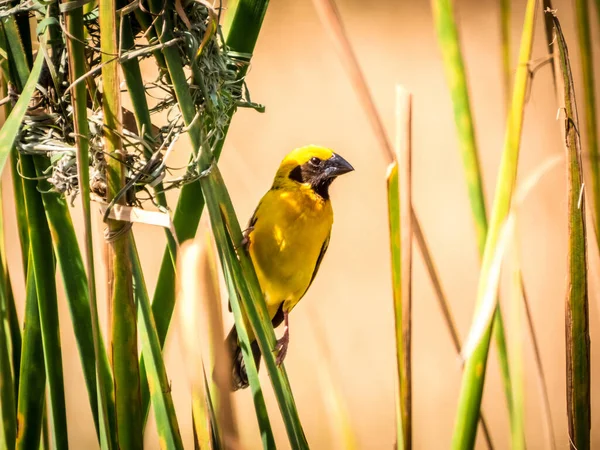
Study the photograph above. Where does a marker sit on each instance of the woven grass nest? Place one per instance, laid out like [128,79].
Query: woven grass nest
[48,128]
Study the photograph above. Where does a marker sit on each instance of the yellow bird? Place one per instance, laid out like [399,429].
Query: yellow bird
[286,238]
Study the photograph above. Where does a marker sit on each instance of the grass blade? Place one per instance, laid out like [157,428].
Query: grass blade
[44,273]
[166,419]
[472,384]
[516,363]
[10,129]
[32,386]
[13,329]
[576,315]
[8,406]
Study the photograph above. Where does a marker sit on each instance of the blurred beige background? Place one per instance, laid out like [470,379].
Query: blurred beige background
[297,75]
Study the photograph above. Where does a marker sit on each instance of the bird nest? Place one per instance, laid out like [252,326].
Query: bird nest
[213,75]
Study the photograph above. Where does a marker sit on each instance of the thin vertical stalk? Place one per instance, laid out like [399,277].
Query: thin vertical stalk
[582,11]
[76,50]
[166,420]
[516,351]
[13,327]
[8,406]
[548,31]
[505,41]
[465,428]
[123,325]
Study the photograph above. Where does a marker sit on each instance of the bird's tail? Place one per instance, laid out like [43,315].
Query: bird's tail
[239,376]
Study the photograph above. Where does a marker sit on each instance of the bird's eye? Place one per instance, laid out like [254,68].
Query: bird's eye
[315,161]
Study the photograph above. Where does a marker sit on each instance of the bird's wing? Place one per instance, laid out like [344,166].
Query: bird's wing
[319,260]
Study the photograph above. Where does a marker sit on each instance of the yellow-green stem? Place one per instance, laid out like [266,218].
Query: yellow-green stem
[123,326]
[465,428]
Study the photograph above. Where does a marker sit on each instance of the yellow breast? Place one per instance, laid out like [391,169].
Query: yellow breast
[290,229]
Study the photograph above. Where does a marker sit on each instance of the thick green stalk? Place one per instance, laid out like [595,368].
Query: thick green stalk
[576,304]
[8,405]
[98,373]
[160,390]
[582,10]
[465,429]
[32,386]
[243,20]
[43,270]
[123,327]
[443,13]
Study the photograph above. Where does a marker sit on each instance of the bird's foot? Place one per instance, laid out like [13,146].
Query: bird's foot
[246,239]
[281,347]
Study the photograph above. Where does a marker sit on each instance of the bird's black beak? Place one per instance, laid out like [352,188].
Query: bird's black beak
[336,166]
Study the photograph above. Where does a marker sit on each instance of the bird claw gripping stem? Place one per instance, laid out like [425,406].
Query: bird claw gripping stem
[281,347]
[245,243]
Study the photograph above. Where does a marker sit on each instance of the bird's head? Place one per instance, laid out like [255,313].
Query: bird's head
[312,166]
